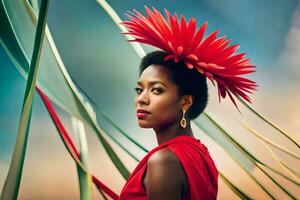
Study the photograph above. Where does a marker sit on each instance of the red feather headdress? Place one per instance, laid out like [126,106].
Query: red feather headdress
[210,56]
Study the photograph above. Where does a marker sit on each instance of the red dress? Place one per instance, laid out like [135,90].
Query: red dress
[198,165]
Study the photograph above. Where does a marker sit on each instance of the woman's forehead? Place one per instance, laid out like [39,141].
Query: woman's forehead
[155,73]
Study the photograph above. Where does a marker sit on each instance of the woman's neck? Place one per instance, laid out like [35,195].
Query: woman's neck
[164,134]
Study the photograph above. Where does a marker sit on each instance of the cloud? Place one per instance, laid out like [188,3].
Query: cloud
[289,58]
[289,76]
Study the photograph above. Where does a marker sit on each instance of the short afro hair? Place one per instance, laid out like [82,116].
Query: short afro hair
[189,81]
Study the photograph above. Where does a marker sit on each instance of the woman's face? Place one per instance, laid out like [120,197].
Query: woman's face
[158,95]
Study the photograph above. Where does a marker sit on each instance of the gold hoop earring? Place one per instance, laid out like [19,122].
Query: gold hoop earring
[183,120]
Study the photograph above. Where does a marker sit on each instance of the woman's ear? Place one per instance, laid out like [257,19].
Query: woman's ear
[187,102]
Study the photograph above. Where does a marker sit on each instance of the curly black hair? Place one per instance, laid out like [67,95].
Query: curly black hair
[189,81]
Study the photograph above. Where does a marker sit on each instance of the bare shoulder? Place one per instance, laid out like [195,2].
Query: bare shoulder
[163,157]
[164,178]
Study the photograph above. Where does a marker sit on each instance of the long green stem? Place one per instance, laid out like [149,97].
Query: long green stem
[12,182]
[85,179]
[268,122]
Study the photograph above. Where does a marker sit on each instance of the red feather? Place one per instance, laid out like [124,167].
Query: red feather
[210,56]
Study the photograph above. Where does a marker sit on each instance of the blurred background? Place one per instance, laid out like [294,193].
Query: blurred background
[105,67]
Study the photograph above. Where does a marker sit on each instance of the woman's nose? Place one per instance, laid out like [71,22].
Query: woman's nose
[143,98]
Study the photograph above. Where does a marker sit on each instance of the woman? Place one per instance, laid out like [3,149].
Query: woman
[168,97]
[172,91]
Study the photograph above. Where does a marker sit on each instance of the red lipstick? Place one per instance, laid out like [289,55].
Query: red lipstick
[141,113]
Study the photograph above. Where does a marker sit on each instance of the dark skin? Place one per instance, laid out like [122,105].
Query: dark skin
[165,178]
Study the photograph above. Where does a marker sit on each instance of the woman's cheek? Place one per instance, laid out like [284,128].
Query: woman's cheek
[168,111]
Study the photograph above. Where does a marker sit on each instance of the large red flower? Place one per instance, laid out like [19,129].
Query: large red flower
[211,56]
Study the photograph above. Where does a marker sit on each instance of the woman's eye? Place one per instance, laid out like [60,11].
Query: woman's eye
[138,90]
[157,90]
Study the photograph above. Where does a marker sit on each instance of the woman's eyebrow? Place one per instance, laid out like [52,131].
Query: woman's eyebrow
[152,83]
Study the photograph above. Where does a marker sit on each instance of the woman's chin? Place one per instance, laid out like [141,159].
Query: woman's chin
[144,125]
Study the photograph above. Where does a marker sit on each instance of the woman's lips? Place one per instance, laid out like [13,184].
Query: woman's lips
[142,114]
